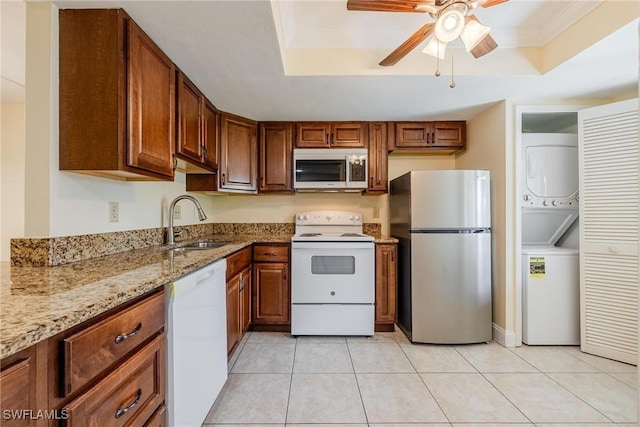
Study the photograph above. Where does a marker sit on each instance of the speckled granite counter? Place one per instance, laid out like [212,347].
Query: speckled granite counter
[39,302]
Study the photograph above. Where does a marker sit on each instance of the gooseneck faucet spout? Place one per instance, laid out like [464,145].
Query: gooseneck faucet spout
[201,215]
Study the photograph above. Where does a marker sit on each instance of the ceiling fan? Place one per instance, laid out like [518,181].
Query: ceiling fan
[452,20]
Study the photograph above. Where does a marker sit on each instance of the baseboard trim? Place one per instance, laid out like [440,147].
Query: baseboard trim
[503,337]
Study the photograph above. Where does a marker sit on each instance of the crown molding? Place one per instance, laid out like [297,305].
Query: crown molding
[567,17]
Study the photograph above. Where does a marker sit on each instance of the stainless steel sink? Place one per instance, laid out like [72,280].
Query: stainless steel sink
[202,245]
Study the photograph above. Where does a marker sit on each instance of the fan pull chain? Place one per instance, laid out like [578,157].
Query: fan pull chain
[437,60]
[452,84]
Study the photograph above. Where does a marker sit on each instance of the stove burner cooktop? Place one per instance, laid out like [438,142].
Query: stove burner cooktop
[310,234]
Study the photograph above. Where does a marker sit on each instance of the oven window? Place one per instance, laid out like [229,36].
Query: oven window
[324,264]
[320,170]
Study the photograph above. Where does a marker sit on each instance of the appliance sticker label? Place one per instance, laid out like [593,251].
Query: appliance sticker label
[536,267]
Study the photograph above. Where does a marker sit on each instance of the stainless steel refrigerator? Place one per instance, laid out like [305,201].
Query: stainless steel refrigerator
[442,220]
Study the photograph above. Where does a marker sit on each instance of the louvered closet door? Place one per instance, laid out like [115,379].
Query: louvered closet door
[609,230]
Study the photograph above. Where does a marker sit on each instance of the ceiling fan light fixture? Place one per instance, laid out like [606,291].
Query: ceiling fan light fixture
[473,34]
[435,48]
[450,24]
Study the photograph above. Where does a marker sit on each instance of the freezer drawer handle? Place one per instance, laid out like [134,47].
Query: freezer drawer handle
[124,337]
[120,412]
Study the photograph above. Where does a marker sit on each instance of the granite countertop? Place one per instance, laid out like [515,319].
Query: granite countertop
[39,302]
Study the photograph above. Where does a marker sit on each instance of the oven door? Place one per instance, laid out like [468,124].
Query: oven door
[332,273]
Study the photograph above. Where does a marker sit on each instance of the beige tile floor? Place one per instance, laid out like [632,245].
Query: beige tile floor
[277,380]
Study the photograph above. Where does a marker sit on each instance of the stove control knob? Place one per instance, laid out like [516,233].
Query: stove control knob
[333,293]
[526,197]
[545,203]
[329,217]
[554,203]
[305,217]
[300,217]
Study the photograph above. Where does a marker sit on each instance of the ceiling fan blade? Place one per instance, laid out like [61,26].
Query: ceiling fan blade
[486,45]
[489,3]
[385,5]
[409,44]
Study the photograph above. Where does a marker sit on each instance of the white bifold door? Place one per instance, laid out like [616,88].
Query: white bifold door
[609,217]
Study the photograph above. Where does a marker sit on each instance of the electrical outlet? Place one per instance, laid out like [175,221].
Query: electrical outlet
[376,212]
[177,212]
[114,212]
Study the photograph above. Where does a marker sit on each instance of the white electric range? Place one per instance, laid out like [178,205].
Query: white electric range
[332,275]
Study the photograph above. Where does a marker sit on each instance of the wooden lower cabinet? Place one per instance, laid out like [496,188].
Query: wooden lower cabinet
[110,386]
[23,387]
[238,297]
[271,293]
[233,314]
[271,286]
[130,395]
[386,286]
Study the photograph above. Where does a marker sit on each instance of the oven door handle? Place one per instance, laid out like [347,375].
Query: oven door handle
[332,246]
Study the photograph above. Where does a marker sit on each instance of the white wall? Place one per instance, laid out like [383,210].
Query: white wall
[487,149]
[12,160]
[64,203]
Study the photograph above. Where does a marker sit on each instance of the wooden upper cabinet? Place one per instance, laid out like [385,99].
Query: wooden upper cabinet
[275,152]
[450,134]
[437,137]
[378,158]
[117,98]
[190,120]
[238,154]
[349,134]
[328,135]
[210,128]
[313,135]
[197,141]
[413,134]
[151,103]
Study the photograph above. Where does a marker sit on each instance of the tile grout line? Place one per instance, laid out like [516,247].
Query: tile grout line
[494,386]
[364,409]
[293,363]
[571,392]
[425,385]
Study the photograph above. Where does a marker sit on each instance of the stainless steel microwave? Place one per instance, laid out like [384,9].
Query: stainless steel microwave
[330,169]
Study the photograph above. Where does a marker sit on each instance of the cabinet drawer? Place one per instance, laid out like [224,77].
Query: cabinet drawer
[128,396]
[96,348]
[159,419]
[270,253]
[238,261]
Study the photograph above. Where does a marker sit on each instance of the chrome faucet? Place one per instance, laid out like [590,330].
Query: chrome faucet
[201,215]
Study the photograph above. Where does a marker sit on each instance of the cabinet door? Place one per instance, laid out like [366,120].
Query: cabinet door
[21,387]
[190,109]
[386,283]
[276,149]
[413,134]
[151,109]
[233,313]
[449,134]
[210,138]
[245,301]
[128,396]
[378,158]
[344,135]
[238,153]
[313,135]
[271,293]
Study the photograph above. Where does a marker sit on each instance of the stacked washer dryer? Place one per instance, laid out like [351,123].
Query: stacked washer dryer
[551,276]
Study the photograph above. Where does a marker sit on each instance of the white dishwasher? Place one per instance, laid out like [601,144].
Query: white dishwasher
[196,343]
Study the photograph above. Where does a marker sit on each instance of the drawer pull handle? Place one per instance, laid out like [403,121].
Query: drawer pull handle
[270,254]
[120,412]
[124,337]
